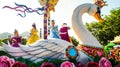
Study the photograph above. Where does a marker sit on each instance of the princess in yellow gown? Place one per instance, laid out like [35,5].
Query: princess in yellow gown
[33,35]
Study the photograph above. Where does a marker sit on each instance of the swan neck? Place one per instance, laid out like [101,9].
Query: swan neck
[83,34]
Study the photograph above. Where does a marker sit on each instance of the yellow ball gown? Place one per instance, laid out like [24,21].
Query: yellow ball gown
[33,37]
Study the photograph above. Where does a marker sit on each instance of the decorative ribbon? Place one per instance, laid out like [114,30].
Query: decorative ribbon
[23,9]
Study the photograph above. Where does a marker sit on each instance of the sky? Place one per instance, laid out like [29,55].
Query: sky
[63,14]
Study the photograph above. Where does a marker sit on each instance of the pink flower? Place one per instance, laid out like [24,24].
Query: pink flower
[6,61]
[86,49]
[47,64]
[67,64]
[3,64]
[19,64]
[104,62]
[99,53]
[92,64]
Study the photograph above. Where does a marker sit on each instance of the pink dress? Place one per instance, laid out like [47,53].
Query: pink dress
[17,41]
[64,33]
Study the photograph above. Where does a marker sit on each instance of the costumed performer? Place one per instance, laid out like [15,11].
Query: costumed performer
[53,30]
[16,39]
[64,32]
[33,35]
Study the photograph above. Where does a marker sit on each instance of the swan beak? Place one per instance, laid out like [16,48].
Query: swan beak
[98,17]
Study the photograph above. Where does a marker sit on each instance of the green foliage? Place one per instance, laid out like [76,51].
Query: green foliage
[24,41]
[106,31]
[0,43]
[32,65]
[3,53]
[20,59]
[96,58]
[75,42]
[57,62]
[5,40]
[114,62]
[26,61]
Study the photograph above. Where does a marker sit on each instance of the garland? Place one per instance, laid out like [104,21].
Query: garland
[92,51]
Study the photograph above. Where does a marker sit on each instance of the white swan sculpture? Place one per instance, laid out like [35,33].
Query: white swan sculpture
[55,48]
[83,34]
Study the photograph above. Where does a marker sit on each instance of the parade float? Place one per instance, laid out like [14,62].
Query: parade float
[57,52]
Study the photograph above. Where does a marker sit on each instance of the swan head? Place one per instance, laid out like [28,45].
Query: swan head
[94,10]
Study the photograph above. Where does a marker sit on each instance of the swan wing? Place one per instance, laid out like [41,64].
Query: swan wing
[42,49]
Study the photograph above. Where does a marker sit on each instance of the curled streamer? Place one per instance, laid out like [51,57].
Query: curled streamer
[24,9]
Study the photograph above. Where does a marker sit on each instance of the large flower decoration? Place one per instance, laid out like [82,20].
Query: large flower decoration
[47,64]
[104,62]
[19,64]
[6,61]
[67,64]
[92,64]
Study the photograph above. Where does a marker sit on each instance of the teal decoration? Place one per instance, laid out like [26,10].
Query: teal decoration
[72,52]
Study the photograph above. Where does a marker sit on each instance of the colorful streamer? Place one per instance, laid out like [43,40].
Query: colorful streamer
[24,9]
